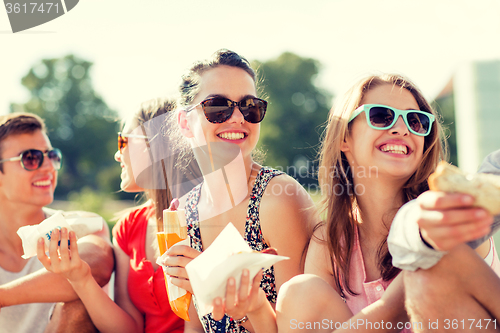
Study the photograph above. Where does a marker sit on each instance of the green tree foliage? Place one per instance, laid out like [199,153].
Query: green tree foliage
[297,109]
[445,106]
[78,120]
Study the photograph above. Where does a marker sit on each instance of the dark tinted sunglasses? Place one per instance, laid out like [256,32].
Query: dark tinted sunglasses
[219,109]
[123,139]
[32,159]
[382,117]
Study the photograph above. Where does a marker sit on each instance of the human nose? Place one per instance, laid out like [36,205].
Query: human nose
[399,127]
[237,116]
[47,164]
[118,156]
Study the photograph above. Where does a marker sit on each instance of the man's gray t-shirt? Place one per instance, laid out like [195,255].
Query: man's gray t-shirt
[24,318]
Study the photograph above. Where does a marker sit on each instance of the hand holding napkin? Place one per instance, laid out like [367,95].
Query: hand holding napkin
[228,255]
[82,226]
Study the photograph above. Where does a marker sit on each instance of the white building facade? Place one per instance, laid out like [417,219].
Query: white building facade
[476,88]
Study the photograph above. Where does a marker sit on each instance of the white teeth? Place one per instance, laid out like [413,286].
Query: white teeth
[42,183]
[232,135]
[395,149]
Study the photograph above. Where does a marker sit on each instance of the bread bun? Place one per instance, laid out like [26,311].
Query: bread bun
[485,188]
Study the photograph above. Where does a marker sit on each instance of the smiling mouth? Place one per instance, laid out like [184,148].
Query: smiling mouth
[231,135]
[394,149]
[42,183]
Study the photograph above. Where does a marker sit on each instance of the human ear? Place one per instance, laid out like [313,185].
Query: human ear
[344,146]
[184,124]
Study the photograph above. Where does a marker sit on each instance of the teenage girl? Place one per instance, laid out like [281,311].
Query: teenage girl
[380,145]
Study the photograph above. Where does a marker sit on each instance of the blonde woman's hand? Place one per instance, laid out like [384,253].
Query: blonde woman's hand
[63,256]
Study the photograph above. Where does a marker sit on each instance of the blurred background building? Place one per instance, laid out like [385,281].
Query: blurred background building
[470,105]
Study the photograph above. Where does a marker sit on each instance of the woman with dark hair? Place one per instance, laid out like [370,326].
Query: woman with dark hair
[219,118]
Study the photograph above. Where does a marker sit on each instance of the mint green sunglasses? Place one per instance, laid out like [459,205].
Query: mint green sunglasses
[382,117]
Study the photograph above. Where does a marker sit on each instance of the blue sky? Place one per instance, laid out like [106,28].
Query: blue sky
[141,47]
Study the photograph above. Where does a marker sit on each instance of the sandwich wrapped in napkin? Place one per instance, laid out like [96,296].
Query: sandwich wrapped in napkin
[485,188]
[228,255]
[82,226]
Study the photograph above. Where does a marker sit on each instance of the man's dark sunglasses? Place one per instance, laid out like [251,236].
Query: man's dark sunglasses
[32,159]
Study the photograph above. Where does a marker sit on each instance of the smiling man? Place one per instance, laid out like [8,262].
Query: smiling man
[28,177]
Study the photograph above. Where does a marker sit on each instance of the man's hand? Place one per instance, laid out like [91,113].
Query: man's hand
[447,220]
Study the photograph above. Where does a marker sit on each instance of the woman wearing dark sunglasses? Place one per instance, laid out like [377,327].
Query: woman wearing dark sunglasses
[380,145]
[221,115]
[140,295]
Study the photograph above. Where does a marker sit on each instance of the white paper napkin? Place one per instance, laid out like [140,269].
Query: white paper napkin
[30,234]
[228,255]
[174,292]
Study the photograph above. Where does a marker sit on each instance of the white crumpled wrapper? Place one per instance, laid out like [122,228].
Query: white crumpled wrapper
[228,255]
[30,234]
[174,292]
